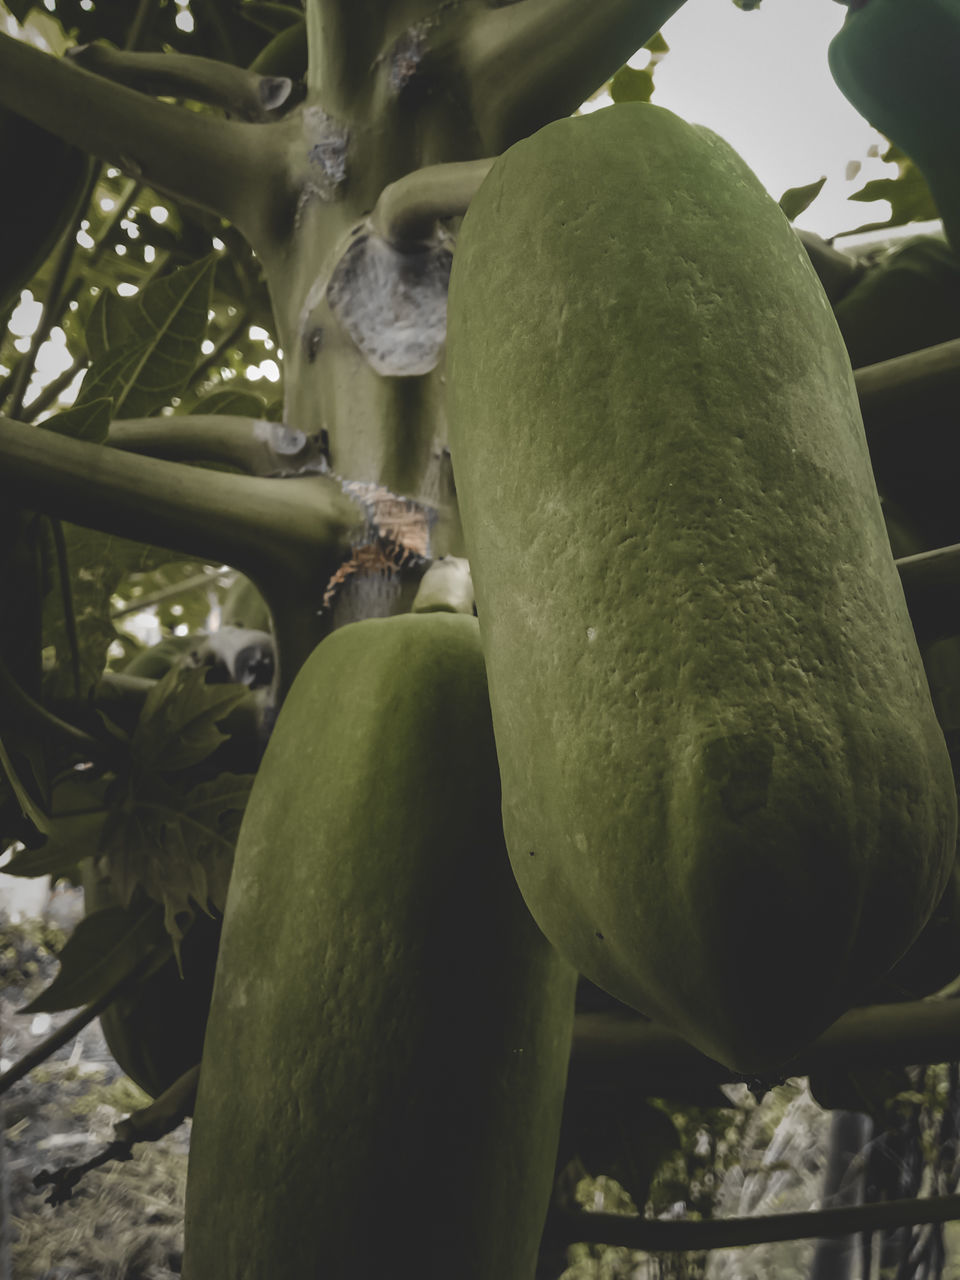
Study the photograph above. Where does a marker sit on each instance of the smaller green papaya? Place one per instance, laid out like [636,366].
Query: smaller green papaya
[383,1072]
[896,62]
[155,1033]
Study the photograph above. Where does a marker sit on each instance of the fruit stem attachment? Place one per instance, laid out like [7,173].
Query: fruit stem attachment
[408,209]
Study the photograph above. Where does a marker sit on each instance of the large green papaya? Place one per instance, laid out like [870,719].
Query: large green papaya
[726,796]
[384,1065]
[896,62]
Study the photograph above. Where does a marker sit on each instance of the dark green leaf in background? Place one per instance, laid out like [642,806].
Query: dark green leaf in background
[176,843]
[908,193]
[104,948]
[70,840]
[178,724]
[148,343]
[239,400]
[97,562]
[90,422]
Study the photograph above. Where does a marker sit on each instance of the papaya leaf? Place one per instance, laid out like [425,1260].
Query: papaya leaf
[176,843]
[158,333]
[180,591]
[656,44]
[236,400]
[104,948]
[909,195]
[83,422]
[632,84]
[177,727]
[70,840]
[796,199]
[98,562]
[109,325]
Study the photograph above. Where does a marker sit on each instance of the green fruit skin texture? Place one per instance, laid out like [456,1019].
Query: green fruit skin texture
[896,62]
[386,1055]
[726,796]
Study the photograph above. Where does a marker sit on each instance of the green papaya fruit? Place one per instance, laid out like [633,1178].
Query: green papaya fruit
[389,1029]
[896,62]
[907,300]
[155,1032]
[726,796]
[44,178]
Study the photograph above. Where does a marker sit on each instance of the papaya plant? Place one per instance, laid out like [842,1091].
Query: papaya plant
[384,1006]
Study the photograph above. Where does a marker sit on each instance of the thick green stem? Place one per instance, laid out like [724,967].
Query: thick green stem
[247,444]
[241,92]
[233,169]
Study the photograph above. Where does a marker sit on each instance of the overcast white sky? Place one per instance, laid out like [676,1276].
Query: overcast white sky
[760,79]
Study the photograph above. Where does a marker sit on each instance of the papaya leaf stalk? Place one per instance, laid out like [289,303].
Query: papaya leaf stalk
[240,92]
[250,445]
[231,168]
[288,535]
